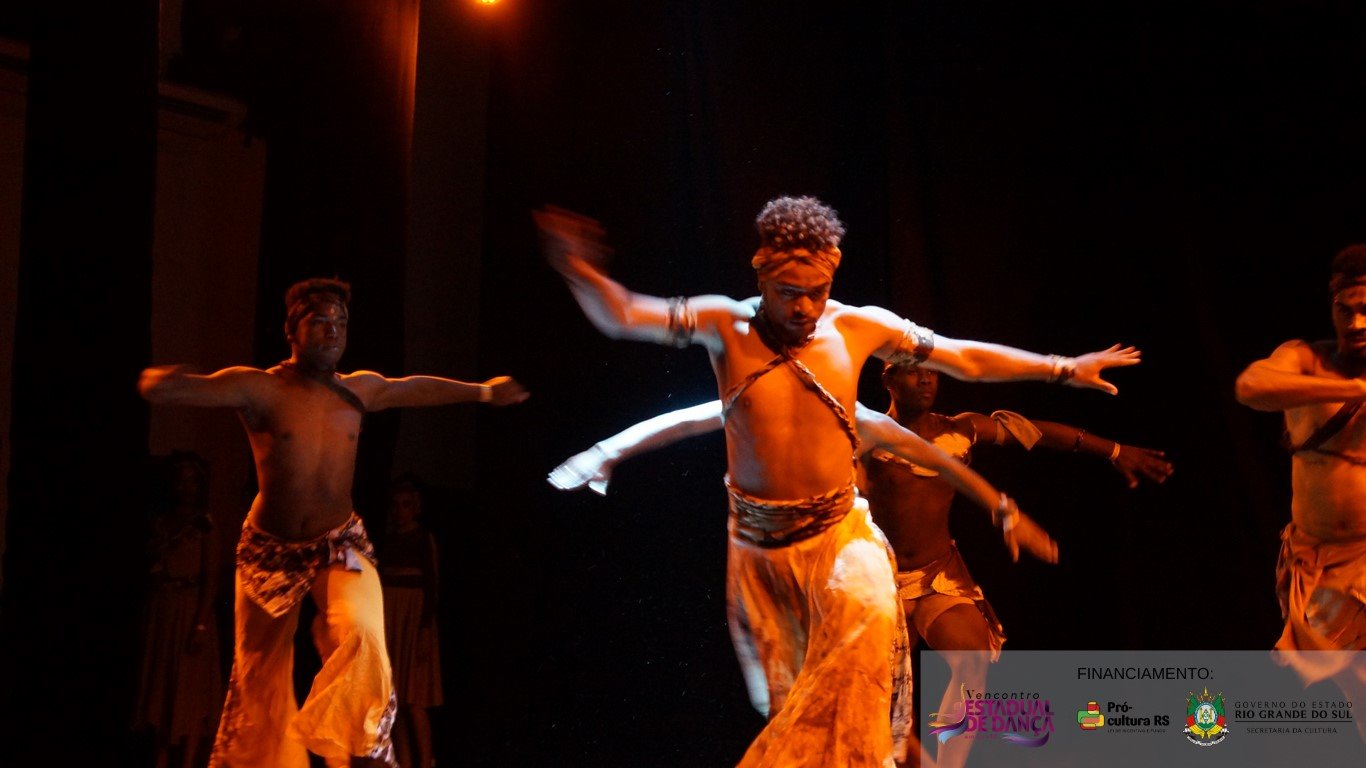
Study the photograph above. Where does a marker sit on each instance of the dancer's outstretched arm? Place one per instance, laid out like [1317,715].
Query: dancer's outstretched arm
[575,246]
[1005,428]
[593,467]
[878,430]
[897,339]
[1286,379]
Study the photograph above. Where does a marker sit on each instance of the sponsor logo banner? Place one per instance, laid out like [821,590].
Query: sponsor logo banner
[1141,708]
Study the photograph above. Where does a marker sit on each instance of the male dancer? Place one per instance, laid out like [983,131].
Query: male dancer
[911,503]
[910,499]
[301,536]
[812,603]
[1321,576]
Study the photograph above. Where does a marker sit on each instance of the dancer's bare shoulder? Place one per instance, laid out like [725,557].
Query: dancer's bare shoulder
[234,387]
[872,327]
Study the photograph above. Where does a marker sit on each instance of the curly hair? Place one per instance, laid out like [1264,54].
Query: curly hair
[799,222]
[299,297]
[318,285]
[1350,260]
[1349,268]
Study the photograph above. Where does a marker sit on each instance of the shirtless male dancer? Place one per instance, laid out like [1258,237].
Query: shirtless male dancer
[811,595]
[301,536]
[910,500]
[911,504]
[1321,575]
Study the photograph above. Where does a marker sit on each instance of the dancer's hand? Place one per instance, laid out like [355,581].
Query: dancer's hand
[1087,368]
[1026,534]
[506,391]
[1134,463]
[571,242]
[156,375]
[592,468]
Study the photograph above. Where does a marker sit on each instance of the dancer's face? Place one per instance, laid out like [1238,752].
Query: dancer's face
[188,485]
[407,505]
[1349,320]
[320,337]
[794,299]
[912,388]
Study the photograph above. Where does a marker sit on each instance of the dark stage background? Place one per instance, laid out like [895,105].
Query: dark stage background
[1057,176]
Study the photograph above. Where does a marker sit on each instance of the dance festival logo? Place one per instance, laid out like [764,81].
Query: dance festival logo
[1090,718]
[1021,718]
[1205,721]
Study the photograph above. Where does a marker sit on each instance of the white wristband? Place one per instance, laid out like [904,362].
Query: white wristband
[1001,515]
[485,393]
[1114,455]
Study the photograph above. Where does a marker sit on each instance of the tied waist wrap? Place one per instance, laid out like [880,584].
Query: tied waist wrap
[277,573]
[767,523]
[1312,573]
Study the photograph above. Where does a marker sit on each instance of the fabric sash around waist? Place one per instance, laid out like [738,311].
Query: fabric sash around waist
[768,523]
[276,573]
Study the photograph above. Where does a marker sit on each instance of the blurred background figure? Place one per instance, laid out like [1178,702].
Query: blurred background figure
[408,573]
[181,684]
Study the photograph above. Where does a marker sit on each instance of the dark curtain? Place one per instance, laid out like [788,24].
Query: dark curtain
[69,614]
[1056,176]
